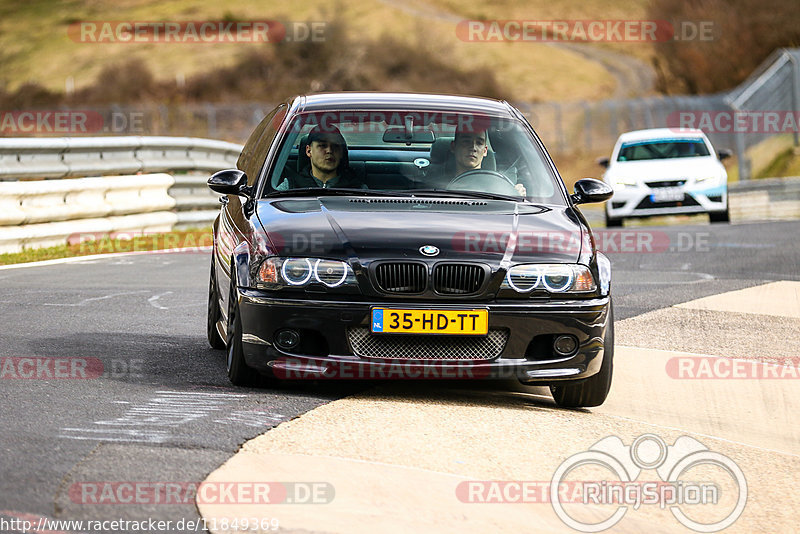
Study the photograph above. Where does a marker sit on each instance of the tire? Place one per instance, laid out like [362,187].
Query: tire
[238,372]
[612,222]
[593,390]
[214,313]
[720,216]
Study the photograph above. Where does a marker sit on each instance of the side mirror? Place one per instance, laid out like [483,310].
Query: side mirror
[603,162]
[724,154]
[589,190]
[229,182]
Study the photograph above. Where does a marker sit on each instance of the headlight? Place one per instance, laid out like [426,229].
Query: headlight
[523,278]
[297,271]
[276,272]
[331,273]
[554,278]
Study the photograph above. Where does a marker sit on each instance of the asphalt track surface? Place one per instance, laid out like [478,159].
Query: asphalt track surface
[163,411]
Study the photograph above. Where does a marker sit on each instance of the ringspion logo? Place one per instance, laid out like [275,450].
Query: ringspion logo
[723,485]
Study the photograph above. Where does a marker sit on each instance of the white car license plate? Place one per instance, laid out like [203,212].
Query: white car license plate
[667,194]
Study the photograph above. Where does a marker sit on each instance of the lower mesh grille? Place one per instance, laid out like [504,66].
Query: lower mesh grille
[426,347]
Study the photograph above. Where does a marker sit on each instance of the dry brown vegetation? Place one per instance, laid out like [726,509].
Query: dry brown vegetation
[744,33]
[343,62]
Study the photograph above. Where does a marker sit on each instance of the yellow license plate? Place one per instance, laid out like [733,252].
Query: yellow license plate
[462,322]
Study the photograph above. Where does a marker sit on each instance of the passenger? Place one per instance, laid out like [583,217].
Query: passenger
[328,163]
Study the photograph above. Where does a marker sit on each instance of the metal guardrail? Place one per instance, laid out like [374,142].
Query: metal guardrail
[34,158]
[43,213]
[38,208]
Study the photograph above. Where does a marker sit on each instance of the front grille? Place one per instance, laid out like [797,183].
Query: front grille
[402,277]
[426,347]
[666,183]
[457,279]
[646,203]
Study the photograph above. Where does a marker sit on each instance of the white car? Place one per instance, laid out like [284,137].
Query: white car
[665,172]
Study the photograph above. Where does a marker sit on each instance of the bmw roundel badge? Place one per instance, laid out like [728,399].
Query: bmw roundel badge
[429,250]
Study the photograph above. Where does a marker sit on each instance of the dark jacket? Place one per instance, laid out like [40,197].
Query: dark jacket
[347,178]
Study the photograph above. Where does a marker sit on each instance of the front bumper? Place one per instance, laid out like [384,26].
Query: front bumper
[326,350]
[639,202]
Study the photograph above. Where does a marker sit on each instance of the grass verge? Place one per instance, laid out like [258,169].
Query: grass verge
[115,243]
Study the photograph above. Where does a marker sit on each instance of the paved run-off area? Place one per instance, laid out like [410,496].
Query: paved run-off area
[407,457]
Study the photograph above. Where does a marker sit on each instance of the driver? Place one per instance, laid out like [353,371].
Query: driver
[328,163]
[468,149]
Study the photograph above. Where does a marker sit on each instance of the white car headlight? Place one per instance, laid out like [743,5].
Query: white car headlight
[297,271]
[554,278]
[276,272]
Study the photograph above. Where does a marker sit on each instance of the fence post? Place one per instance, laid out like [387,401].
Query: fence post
[211,113]
[741,148]
[559,127]
[795,92]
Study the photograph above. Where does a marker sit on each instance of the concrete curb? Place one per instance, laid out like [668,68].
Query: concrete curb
[429,435]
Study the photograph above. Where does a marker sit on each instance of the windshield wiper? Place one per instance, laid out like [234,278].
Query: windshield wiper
[332,191]
[465,193]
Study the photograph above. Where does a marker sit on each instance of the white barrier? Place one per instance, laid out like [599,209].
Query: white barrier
[37,211]
[46,212]
[34,158]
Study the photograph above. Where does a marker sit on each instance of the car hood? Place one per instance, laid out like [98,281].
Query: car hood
[375,228]
[665,169]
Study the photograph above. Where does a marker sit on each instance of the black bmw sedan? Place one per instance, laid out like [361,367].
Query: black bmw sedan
[375,235]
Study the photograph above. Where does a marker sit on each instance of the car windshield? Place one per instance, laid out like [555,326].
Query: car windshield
[381,151]
[662,149]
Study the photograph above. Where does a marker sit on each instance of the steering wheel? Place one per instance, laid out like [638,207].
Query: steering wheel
[484,180]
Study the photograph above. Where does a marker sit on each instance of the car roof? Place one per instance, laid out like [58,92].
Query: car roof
[400,101]
[660,133]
